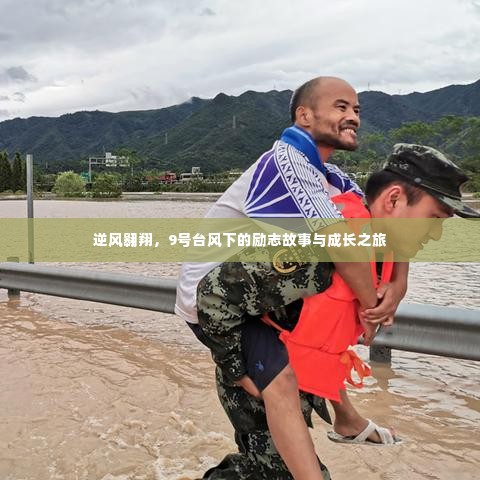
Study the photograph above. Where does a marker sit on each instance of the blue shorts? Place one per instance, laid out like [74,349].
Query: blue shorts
[265,354]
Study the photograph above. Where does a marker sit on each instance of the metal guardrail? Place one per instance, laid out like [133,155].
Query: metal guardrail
[149,293]
[451,332]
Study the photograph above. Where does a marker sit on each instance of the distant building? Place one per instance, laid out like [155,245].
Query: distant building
[166,178]
[196,174]
[234,174]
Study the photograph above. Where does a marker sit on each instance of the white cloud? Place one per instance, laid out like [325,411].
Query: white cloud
[139,54]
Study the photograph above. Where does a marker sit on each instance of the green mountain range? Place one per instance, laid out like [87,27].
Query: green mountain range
[215,134]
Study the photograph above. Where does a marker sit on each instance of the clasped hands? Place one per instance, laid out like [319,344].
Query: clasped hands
[389,296]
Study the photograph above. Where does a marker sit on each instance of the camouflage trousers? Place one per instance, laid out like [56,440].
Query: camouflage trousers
[257,458]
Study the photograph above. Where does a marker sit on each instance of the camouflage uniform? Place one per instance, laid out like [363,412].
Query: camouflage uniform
[227,296]
[232,291]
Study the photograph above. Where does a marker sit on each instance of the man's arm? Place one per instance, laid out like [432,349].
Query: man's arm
[358,276]
[353,265]
[389,296]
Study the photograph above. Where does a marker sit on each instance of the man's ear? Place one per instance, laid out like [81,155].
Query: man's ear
[303,116]
[392,196]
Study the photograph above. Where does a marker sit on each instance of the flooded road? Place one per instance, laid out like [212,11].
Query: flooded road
[93,391]
[101,402]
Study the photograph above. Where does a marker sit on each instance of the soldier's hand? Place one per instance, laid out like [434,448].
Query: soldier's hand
[388,301]
[247,384]
[370,330]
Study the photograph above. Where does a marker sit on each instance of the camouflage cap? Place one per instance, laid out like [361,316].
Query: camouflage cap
[432,171]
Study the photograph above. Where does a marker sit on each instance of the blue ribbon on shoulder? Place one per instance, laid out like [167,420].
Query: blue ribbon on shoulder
[303,141]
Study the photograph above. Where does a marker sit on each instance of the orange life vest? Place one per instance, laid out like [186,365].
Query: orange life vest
[318,345]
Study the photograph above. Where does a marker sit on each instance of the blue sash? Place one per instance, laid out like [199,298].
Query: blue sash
[303,141]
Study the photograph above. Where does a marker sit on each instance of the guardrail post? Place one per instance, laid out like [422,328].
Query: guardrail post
[380,354]
[31,234]
[13,292]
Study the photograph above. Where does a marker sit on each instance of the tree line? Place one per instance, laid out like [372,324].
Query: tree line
[12,174]
[111,185]
[458,137]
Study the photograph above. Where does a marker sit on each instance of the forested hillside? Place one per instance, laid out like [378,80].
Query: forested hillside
[230,132]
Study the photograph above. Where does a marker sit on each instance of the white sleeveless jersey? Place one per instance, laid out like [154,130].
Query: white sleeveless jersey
[282,183]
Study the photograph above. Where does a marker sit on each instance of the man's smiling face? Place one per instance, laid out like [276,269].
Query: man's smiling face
[335,116]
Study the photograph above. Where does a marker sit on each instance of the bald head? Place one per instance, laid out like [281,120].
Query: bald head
[307,94]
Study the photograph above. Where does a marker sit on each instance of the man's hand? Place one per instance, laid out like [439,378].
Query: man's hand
[369,329]
[389,299]
[247,384]
[389,296]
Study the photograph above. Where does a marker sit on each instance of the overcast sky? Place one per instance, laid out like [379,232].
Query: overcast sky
[60,56]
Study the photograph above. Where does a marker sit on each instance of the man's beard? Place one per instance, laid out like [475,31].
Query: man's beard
[335,142]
